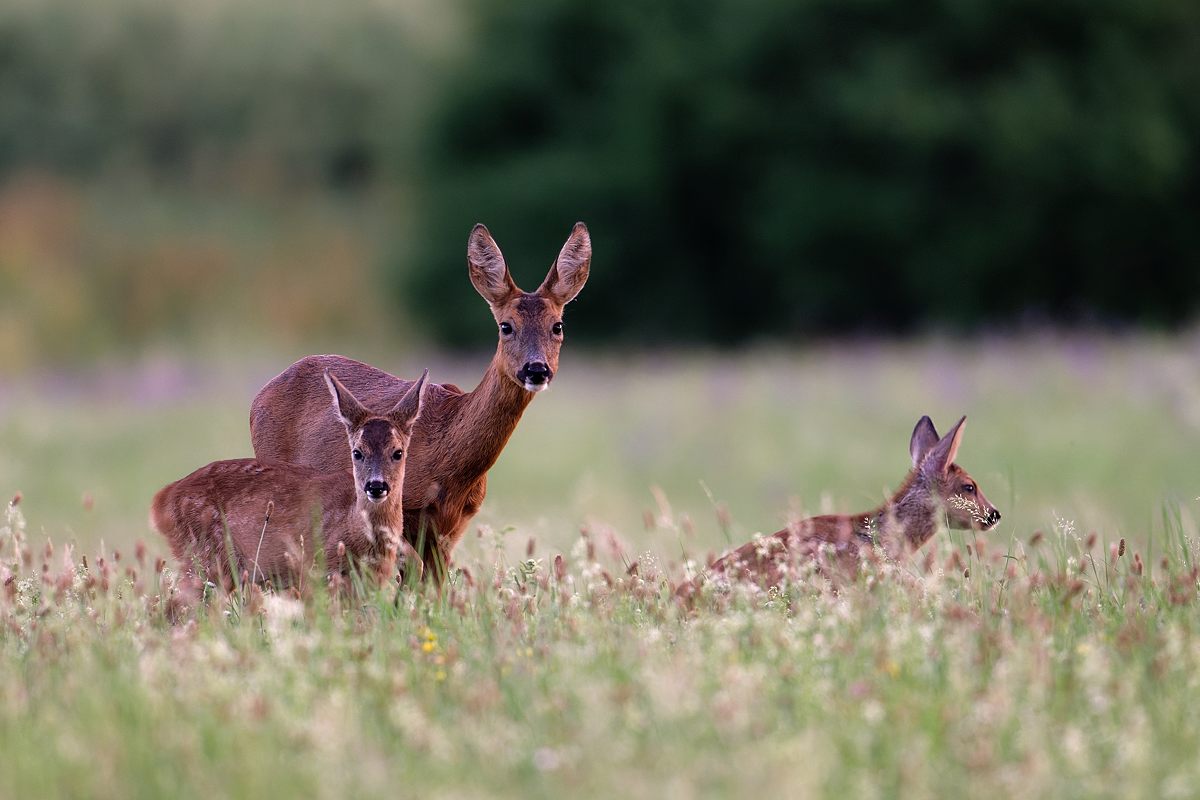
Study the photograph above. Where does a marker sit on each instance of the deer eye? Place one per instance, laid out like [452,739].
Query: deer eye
[556,329]
[968,488]
[357,454]
[505,328]
[396,456]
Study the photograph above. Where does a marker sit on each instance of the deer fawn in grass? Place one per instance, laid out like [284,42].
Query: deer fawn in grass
[275,516]
[935,488]
[460,434]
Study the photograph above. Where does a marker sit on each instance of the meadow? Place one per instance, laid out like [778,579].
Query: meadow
[1053,656]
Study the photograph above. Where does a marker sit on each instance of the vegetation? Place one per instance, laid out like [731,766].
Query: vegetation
[1037,659]
[1057,668]
[763,170]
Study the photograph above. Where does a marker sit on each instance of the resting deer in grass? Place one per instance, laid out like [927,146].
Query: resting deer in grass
[276,516]
[460,434]
[935,490]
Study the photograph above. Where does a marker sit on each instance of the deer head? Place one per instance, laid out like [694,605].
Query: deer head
[949,484]
[378,442]
[530,323]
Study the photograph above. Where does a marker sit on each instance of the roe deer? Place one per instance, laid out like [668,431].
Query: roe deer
[935,487]
[460,434]
[275,516]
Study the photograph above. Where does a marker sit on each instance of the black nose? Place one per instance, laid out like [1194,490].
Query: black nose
[536,372]
[993,517]
[376,490]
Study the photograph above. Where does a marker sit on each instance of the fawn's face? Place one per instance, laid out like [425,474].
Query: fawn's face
[530,323]
[378,442]
[378,451]
[966,507]
[956,492]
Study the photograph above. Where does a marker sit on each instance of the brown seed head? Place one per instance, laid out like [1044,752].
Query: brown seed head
[1121,548]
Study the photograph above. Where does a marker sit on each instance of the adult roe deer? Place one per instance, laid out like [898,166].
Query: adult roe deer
[460,434]
[275,516]
[935,486]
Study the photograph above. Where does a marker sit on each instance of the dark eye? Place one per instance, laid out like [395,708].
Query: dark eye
[556,329]
[505,328]
[396,456]
[968,488]
[357,454]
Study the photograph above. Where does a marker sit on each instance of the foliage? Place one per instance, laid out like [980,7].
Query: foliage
[780,168]
[1052,669]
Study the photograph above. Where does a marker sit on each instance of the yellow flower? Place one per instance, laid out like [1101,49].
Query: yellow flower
[428,647]
[440,675]
[891,668]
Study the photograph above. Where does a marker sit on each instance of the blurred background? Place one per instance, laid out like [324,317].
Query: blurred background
[813,222]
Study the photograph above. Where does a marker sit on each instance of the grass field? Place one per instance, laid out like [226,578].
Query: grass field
[1061,668]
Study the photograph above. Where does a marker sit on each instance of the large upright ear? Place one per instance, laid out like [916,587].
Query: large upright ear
[924,437]
[408,408]
[349,410]
[570,270]
[485,263]
[945,451]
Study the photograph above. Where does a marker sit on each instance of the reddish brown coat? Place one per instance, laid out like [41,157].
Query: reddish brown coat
[935,490]
[244,517]
[460,435]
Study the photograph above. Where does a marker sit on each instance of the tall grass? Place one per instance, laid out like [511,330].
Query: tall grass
[1050,669]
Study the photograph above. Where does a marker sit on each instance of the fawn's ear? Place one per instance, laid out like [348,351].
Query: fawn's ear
[924,437]
[404,414]
[570,271]
[486,266]
[945,451]
[350,411]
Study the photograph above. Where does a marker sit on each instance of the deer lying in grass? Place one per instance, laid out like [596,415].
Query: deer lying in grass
[276,516]
[936,489]
[460,434]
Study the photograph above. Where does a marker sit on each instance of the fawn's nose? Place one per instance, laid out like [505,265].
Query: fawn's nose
[993,517]
[535,372]
[376,490]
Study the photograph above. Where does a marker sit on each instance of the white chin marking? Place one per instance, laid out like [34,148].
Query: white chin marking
[536,387]
[379,499]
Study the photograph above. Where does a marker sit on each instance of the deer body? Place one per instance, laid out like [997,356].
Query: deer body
[270,520]
[459,435]
[936,489]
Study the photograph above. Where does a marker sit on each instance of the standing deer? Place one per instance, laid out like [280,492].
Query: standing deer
[460,434]
[276,516]
[936,488]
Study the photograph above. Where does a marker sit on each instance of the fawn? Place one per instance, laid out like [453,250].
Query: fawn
[934,489]
[461,434]
[275,516]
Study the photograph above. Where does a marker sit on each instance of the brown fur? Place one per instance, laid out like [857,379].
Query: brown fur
[935,489]
[268,521]
[459,435]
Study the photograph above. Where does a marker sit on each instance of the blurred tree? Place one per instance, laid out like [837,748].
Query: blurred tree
[773,168]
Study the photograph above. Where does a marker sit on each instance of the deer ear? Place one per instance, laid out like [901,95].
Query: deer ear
[570,271]
[924,437]
[404,414]
[349,410]
[946,450]
[486,266]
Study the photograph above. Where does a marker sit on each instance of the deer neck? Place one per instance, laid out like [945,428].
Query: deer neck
[484,423]
[909,518]
[381,516]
